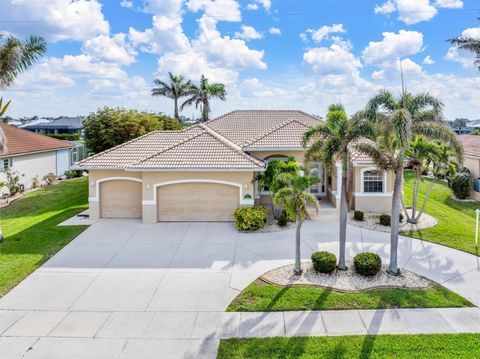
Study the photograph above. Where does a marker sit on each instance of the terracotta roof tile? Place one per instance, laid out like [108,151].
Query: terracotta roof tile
[471,145]
[287,135]
[17,141]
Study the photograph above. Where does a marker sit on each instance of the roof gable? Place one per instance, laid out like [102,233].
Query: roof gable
[286,135]
[17,141]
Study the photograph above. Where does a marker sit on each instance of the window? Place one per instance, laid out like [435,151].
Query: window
[372,181]
[6,163]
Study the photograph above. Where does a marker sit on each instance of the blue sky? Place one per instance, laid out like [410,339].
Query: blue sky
[271,54]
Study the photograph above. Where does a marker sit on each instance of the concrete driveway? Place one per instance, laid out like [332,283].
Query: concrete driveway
[123,289]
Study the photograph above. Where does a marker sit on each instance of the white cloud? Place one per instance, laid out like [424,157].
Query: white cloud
[127,4]
[393,46]
[111,49]
[409,11]
[466,59]
[220,10]
[267,4]
[253,87]
[428,60]
[391,71]
[450,4]
[336,59]
[248,33]
[55,19]
[252,6]
[473,32]
[275,31]
[323,33]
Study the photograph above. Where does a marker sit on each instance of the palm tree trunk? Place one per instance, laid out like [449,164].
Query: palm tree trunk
[298,267]
[397,193]
[405,209]
[415,196]
[205,111]
[175,100]
[424,202]
[343,219]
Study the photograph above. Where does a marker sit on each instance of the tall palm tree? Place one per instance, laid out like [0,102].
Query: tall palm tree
[17,55]
[202,94]
[400,118]
[329,143]
[295,198]
[469,44]
[177,88]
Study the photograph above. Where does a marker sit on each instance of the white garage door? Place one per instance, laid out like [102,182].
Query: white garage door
[210,202]
[121,199]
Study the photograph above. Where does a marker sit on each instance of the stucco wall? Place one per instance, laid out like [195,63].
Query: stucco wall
[36,164]
[261,155]
[373,202]
[151,180]
[473,165]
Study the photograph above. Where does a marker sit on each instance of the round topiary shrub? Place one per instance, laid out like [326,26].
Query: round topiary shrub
[401,217]
[358,216]
[461,185]
[385,219]
[367,264]
[324,262]
[250,218]
[282,220]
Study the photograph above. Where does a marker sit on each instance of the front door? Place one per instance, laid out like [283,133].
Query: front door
[316,170]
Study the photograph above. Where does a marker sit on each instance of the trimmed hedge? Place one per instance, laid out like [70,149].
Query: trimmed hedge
[250,218]
[358,216]
[367,264]
[324,262]
[65,136]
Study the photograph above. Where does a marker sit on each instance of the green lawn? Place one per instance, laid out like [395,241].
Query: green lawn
[456,220]
[30,229]
[445,346]
[260,296]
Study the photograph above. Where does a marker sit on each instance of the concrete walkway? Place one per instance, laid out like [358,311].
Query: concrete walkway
[127,290]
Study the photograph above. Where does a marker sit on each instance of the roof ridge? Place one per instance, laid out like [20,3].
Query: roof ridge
[231,144]
[186,139]
[132,141]
[219,117]
[273,129]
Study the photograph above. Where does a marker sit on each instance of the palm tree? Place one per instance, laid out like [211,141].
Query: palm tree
[3,109]
[330,142]
[295,198]
[177,88]
[469,44]
[201,96]
[400,118]
[16,56]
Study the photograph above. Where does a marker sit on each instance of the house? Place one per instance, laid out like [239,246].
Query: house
[471,154]
[206,171]
[62,125]
[31,154]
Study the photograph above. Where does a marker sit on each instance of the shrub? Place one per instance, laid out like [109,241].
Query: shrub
[73,173]
[250,218]
[461,184]
[65,136]
[358,216]
[401,217]
[282,220]
[49,178]
[367,264]
[324,262]
[385,220]
[35,182]
[13,181]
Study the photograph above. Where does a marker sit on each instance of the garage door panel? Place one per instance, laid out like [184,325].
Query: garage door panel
[121,199]
[197,202]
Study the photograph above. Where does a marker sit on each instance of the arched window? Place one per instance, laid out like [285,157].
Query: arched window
[373,181]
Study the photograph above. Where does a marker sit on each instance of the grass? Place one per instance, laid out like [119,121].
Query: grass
[456,220]
[30,228]
[260,296]
[445,346]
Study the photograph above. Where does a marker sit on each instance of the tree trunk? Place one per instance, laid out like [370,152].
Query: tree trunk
[176,109]
[205,111]
[397,193]
[414,196]
[298,267]
[343,219]
[424,202]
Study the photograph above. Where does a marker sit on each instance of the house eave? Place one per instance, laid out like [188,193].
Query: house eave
[276,148]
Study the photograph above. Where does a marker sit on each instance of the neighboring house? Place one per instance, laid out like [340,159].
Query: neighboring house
[471,153]
[205,172]
[62,125]
[31,154]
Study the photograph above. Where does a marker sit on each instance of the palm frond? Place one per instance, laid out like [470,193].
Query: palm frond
[441,133]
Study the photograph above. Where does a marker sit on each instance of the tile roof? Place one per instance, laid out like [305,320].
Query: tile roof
[286,135]
[471,145]
[130,152]
[74,123]
[205,150]
[243,126]
[216,144]
[17,141]
[357,156]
